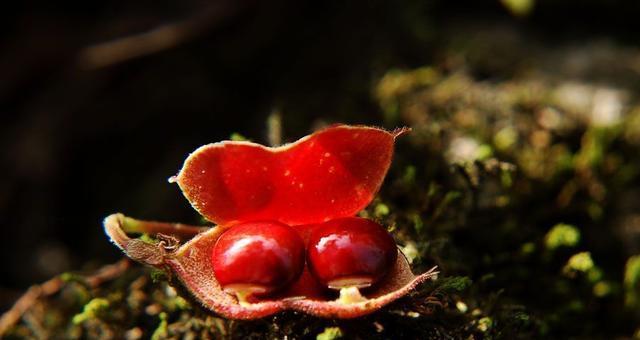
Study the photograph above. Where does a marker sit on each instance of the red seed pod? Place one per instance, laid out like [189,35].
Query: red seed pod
[350,252]
[327,175]
[257,258]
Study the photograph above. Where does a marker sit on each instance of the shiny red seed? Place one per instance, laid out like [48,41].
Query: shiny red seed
[351,251]
[257,258]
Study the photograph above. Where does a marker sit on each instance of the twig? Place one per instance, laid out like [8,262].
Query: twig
[108,273]
[27,300]
[34,325]
[274,128]
[158,39]
[52,286]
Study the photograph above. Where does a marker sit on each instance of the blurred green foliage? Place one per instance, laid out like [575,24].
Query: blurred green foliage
[562,235]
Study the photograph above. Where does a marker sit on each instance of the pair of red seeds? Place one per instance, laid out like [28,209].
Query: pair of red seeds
[259,258]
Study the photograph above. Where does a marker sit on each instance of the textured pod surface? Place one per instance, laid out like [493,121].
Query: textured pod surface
[332,173]
[190,264]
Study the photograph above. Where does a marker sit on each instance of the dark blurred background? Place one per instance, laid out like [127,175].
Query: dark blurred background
[100,102]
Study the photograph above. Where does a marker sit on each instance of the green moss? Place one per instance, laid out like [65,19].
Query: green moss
[485,324]
[602,289]
[632,281]
[330,333]
[519,8]
[562,235]
[158,275]
[506,178]
[595,274]
[418,224]
[484,152]
[581,262]
[162,331]
[236,137]
[449,198]
[528,248]
[454,284]
[91,310]
[505,138]
[381,210]
[409,176]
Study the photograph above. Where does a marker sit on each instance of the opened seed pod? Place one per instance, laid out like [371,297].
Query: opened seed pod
[331,174]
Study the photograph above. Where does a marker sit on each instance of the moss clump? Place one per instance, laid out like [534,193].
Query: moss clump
[581,262]
[632,281]
[161,332]
[91,310]
[330,333]
[562,235]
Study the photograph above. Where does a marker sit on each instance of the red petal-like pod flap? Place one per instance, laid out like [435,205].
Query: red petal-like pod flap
[329,174]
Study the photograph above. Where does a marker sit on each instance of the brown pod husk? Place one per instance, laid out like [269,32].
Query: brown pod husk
[191,264]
